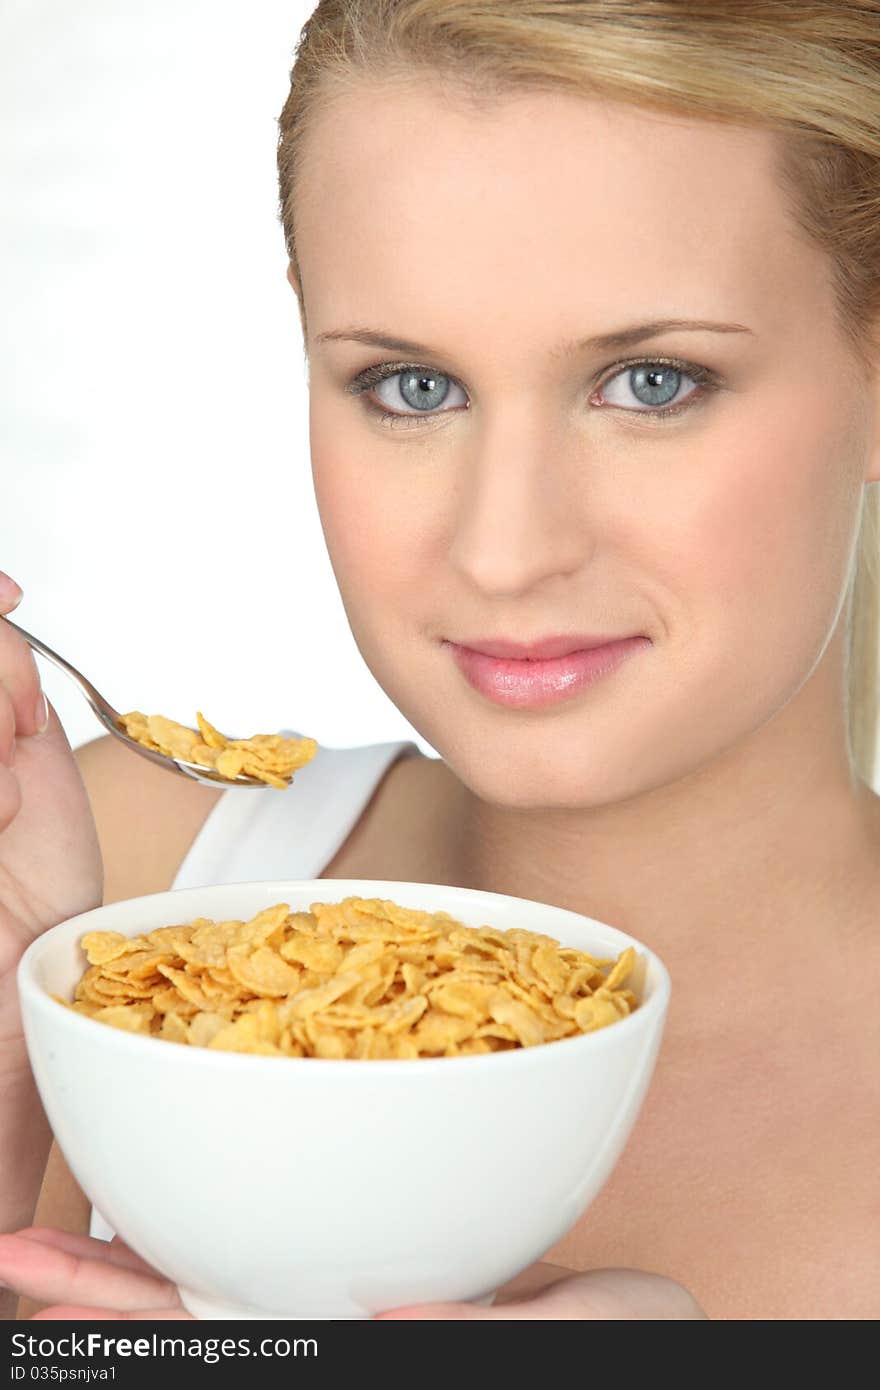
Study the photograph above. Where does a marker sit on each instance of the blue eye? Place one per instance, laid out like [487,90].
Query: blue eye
[422,389]
[653,384]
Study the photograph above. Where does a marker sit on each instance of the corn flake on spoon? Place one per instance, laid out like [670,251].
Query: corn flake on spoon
[265,760]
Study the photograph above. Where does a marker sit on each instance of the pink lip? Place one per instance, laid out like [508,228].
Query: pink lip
[545,672]
[538,651]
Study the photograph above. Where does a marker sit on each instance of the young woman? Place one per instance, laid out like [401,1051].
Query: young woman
[590,294]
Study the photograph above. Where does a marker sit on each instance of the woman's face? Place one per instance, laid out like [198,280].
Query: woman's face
[522,492]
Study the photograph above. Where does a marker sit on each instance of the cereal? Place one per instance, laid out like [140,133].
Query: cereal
[362,979]
[269,758]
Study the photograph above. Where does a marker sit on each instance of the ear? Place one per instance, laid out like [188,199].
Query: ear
[296,286]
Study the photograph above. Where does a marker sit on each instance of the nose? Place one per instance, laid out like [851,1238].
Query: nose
[519,508]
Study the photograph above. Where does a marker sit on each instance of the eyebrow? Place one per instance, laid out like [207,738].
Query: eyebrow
[620,338]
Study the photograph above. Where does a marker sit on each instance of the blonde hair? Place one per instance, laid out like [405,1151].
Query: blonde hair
[808,71]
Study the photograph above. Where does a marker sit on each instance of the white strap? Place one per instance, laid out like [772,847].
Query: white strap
[258,835]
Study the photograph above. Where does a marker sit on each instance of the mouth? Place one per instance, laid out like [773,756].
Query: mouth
[530,675]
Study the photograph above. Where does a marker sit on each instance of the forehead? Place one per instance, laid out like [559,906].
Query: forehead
[414,204]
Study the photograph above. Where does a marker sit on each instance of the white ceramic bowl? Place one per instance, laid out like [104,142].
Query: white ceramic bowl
[304,1187]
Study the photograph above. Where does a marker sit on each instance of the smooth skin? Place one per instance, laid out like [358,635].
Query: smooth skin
[702,796]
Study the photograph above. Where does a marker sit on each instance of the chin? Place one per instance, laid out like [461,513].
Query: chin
[530,767]
[554,790]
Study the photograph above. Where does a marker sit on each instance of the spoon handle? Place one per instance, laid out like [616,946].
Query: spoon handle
[101,707]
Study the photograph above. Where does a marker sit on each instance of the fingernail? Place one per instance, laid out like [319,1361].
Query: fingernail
[10,592]
[42,713]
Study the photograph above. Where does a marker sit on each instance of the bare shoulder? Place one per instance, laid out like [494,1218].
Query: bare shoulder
[147,818]
[408,829]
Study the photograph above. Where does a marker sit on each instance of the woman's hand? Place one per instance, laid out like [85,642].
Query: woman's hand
[94,1280]
[85,1279]
[598,1295]
[50,862]
[50,869]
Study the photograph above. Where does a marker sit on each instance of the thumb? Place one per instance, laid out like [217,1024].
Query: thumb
[596,1295]
[541,1305]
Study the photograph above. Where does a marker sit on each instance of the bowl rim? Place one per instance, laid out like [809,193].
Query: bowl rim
[34,997]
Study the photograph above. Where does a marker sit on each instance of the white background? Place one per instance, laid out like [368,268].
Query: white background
[157,504]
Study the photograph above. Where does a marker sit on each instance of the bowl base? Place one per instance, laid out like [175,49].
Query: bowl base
[209,1309]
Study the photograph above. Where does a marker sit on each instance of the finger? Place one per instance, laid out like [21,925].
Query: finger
[10,797]
[567,1298]
[66,1312]
[10,787]
[21,679]
[596,1295]
[46,1273]
[10,593]
[7,728]
[89,1247]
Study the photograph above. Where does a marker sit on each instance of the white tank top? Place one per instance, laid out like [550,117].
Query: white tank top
[250,836]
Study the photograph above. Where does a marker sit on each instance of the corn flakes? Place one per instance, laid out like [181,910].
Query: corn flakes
[270,758]
[362,979]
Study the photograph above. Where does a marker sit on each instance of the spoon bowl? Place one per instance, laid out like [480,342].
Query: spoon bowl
[111,718]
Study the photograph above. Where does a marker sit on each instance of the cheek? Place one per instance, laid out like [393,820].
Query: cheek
[357,514]
[381,518]
[762,548]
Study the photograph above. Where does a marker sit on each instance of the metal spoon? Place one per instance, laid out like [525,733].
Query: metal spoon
[109,717]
